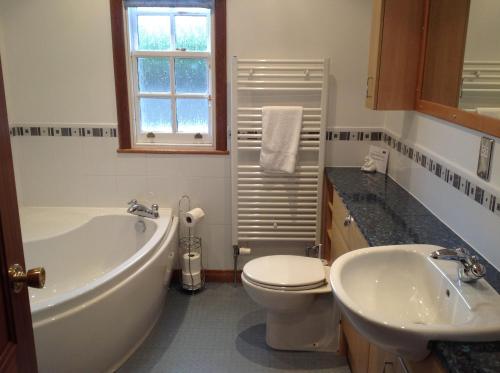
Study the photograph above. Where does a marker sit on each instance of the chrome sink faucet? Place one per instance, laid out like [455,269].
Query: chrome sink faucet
[469,269]
[135,208]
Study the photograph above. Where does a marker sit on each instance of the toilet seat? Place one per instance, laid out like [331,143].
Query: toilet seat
[285,272]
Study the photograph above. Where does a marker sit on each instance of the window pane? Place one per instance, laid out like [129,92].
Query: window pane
[154,74]
[192,115]
[156,115]
[191,33]
[153,32]
[191,75]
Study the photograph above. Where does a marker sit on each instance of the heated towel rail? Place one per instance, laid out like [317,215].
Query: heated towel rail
[481,77]
[277,207]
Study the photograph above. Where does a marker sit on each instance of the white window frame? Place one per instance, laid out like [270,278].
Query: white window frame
[173,139]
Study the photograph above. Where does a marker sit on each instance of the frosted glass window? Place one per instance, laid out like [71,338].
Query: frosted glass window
[191,75]
[170,75]
[191,33]
[192,115]
[154,74]
[156,115]
[153,32]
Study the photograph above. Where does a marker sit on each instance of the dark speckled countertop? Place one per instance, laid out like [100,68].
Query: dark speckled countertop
[387,215]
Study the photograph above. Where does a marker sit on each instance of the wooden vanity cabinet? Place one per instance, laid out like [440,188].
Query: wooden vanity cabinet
[341,234]
[394,59]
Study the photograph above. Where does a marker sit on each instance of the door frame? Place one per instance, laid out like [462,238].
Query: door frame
[20,349]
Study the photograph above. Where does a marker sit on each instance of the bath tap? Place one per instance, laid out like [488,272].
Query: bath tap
[135,208]
[469,269]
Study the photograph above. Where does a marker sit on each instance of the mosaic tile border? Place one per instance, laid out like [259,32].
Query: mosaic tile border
[63,131]
[439,169]
[454,179]
[347,135]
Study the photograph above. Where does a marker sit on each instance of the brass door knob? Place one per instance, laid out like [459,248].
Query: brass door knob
[35,277]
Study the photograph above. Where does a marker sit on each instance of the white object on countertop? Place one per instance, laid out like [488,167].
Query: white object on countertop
[369,165]
[380,157]
[281,127]
[193,217]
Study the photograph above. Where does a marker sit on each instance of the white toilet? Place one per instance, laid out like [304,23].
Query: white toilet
[295,291]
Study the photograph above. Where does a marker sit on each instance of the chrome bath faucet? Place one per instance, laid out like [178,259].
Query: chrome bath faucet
[469,269]
[136,208]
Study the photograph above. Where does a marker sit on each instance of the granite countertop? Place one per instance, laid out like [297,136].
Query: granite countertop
[387,215]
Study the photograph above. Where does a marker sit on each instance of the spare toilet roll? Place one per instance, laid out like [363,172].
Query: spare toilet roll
[194,259]
[192,280]
[193,217]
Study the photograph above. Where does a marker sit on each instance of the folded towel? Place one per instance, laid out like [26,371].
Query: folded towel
[493,112]
[280,138]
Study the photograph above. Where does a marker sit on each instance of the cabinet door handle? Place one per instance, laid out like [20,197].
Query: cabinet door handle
[348,220]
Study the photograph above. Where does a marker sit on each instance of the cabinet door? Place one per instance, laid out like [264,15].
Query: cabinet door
[339,246]
[381,361]
[356,238]
[358,348]
[394,54]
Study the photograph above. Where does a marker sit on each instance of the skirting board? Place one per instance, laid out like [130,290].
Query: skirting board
[213,275]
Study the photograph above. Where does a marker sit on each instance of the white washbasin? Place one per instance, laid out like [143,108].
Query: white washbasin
[400,299]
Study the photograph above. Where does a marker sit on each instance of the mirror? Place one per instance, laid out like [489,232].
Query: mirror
[461,67]
[480,90]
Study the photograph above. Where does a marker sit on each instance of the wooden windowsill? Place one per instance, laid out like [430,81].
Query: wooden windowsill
[172,151]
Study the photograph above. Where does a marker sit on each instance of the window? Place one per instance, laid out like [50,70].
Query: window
[171,59]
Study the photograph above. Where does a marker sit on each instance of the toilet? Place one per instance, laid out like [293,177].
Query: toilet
[295,291]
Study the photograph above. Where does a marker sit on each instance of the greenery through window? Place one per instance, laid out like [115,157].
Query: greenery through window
[171,75]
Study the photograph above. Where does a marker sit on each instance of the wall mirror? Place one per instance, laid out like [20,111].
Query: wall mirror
[460,77]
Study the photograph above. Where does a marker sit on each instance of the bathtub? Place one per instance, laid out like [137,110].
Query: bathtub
[107,276]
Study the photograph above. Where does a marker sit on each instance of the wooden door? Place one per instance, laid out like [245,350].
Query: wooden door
[17,348]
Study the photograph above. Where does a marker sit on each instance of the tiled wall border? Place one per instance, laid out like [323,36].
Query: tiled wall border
[63,131]
[448,175]
[439,169]
[354,134]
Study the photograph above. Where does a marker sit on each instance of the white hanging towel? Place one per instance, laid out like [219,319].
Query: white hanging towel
[281,127]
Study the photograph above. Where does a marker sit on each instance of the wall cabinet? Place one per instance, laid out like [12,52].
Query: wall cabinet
[394,59]
[340,235]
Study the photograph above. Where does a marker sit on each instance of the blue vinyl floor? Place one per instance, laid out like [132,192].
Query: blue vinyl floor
[219,330]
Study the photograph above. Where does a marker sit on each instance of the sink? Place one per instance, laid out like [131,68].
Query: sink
[400,299]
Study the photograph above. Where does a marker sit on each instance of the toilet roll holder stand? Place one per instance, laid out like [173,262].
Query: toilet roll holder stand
[191,245]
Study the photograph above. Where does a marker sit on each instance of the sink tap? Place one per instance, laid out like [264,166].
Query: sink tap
[135,208]
[469,269]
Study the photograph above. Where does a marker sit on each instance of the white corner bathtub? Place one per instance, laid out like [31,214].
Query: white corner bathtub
[107,277]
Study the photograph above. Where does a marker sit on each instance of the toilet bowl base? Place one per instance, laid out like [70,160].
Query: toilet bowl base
[316,329]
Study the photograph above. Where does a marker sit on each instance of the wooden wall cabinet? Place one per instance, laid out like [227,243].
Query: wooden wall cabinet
[340,235]
[394,59]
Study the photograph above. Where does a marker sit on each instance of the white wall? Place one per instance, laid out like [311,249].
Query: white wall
[58,70]
[457,148]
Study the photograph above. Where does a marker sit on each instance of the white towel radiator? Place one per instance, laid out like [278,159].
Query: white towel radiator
[276,207]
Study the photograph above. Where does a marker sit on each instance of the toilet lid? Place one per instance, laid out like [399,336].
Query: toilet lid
[285,271]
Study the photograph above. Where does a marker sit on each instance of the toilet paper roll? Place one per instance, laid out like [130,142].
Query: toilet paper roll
[191,281]
[193,217]
[245,251]
[193,259]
